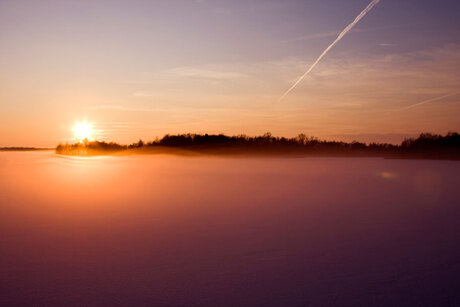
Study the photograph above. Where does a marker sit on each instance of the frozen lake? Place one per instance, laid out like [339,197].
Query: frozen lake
[206,231]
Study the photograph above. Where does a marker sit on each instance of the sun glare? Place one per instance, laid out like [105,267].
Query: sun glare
[82,131]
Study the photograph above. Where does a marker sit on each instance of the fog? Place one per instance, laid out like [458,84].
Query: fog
[164,230]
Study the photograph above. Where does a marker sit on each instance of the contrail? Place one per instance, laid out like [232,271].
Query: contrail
[341,35]
[430,100]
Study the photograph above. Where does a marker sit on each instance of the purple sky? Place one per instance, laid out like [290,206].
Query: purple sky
[144,68]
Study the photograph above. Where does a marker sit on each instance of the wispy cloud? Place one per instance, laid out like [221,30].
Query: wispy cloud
[347,81]
[313,36]
[208,74]
[121,108]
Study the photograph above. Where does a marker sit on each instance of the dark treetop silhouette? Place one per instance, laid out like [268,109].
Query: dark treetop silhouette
[426,146]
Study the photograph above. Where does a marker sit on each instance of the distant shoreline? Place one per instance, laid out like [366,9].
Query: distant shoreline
[24,149]
[426,146]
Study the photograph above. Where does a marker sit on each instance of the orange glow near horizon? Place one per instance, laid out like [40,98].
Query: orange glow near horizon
[83,130]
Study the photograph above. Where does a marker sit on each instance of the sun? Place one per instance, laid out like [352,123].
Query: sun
[83,130]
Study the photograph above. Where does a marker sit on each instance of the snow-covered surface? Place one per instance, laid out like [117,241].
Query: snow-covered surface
[205,231]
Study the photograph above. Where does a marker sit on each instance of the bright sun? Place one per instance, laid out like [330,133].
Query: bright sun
[83,130]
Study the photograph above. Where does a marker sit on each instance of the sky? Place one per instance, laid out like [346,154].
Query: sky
[141,69]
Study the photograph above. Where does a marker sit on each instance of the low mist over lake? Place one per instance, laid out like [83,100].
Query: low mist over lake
[170,230]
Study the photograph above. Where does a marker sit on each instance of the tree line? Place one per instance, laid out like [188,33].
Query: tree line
[425,146]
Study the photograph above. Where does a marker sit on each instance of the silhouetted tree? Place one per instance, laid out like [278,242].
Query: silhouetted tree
[425,146]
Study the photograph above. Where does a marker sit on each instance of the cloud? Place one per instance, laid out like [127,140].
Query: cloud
[121,108]
[206,74]
[314,36]
[346,81]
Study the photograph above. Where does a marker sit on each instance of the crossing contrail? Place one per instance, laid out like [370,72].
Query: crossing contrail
[430,100]
[341,35]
